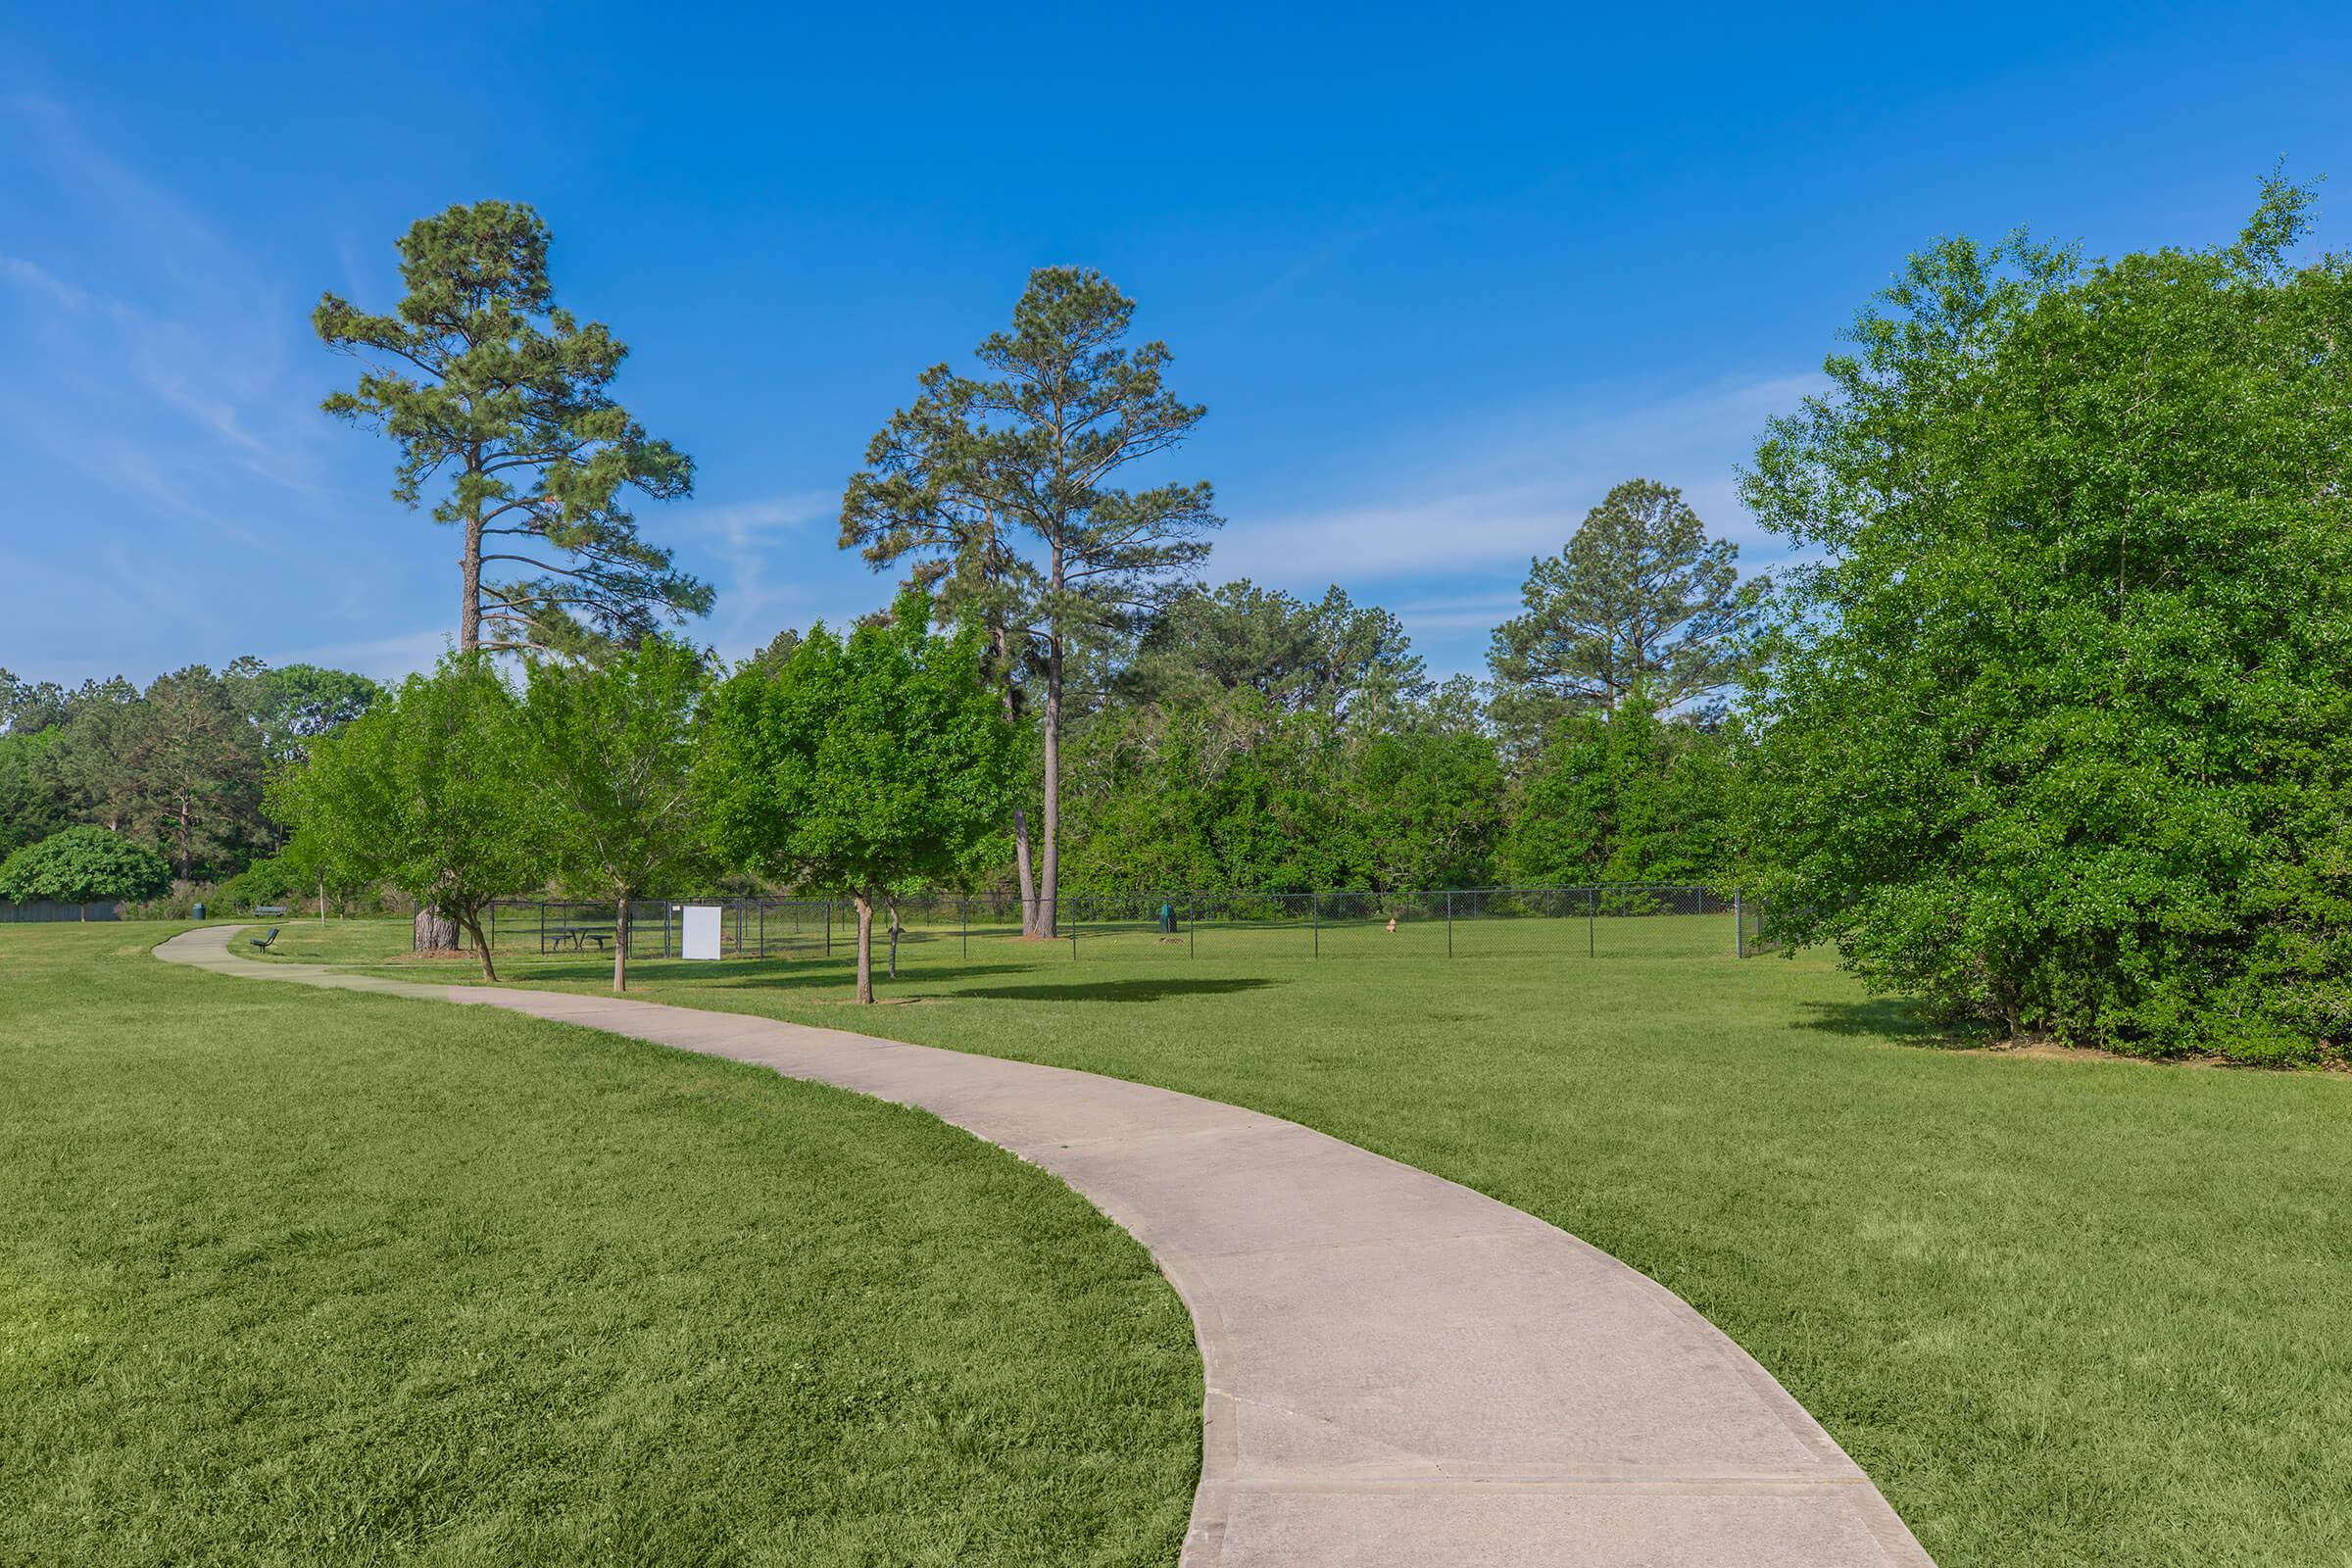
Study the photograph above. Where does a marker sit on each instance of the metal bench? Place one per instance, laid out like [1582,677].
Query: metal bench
[264,943]
[577,935]
[269,911]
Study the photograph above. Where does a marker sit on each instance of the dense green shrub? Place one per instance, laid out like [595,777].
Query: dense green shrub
[270,881]
[83,865]
[2060,733]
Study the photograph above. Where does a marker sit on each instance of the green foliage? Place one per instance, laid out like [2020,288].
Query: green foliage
[610,750]
[480,377]
[2060,734]
[974,470]
[1331,654]
[863,764]
[82,866]
[32,796]
[1624,798]
[1640,598]
[195,767]
[274,880]
[1235,792]
[295,704]
[427,791]
[178,766]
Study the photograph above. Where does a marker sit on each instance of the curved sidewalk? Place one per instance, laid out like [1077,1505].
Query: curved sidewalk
[1401,1373]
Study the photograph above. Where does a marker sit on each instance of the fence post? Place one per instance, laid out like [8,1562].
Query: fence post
[1073,925]
[1314,916]
[1449,924]
[1191,925]
[963,919]
[1591,909]
[828,928]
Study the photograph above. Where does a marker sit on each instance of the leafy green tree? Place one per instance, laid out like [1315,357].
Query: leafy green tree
[1640,597]
[193,771]
[93,737]
[83,865]
[864,766]
[1627,797]
[926,498]
[479,377]
[1429,802]
[295,704]
[1333,654]
[32,795]
[611,754]
[2059,733]
[1033,455]
[427,791]
[27,707]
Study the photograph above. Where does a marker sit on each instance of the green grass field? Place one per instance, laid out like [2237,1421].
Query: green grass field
[298,1278]
[2064,1311]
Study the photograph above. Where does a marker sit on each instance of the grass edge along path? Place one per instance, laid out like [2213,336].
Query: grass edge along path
[2062,1311]
[289,1277]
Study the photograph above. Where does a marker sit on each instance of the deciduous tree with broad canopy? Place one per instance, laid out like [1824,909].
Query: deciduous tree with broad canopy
[485,383]
[609,753]
[2060,732]
[863,764]
[430,791]
[83,865]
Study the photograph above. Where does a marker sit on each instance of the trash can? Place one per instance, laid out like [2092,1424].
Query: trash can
[198,911]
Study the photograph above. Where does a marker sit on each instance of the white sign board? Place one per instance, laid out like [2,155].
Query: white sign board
[700,933]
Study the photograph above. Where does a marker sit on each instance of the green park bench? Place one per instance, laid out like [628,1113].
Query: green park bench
[264,942]
[270,909]
[578,936]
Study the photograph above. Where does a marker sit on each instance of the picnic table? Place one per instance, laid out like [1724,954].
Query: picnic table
[555,936]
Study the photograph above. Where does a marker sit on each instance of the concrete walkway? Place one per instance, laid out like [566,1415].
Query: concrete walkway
[1401,1373]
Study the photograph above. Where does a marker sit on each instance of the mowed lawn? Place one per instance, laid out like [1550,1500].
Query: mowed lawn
[2064,1311]
[299,1277]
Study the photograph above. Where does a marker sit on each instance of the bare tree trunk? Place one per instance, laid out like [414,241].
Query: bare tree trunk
[865,899]
[1025,877]
[621,944]
[1048,882]
[433,932]
[894,938]
[1022,869]
[469,603]
[473,926]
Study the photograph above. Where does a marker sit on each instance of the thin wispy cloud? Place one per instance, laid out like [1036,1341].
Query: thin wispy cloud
[1494,490]
[385,658]
[1441,524]
[746,539]
[152,378]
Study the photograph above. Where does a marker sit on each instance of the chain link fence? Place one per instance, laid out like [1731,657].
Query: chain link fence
[48,909]
[1750,919]
[1657,920]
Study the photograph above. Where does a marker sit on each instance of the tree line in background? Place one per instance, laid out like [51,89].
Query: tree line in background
[2051,726]
[177,768]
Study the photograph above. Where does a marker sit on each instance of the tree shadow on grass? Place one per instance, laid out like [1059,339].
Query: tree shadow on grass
[738,974]
[1898,1020]
[1157,990]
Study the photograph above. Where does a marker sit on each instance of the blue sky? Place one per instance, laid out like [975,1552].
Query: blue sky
[1441,276]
